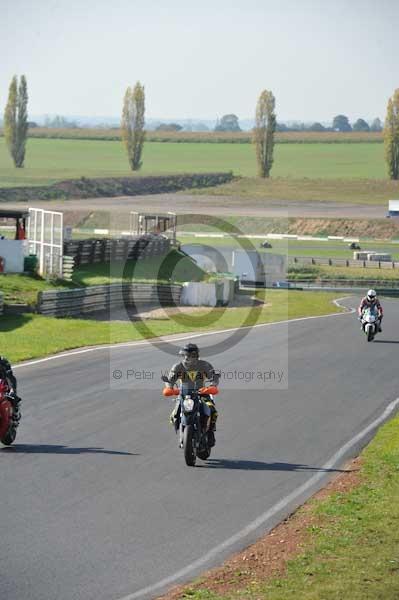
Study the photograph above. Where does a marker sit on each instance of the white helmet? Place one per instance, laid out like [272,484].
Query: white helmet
[371,295]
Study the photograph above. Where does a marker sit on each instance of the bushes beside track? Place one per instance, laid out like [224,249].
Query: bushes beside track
[114,186]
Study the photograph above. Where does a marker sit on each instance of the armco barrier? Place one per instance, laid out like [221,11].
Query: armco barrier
[343,262]
[1,303]
[356,286]
[63,303]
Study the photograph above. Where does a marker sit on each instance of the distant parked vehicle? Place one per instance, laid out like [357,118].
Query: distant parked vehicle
[282,284]
[266,244]
[354,246]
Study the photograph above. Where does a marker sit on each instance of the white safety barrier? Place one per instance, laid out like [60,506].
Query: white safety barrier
[198,294]
[217,293]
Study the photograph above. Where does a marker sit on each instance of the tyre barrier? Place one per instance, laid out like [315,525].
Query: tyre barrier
[75,302]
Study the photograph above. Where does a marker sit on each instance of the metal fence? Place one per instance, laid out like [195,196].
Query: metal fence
[387,287]
[342,262]
[45,234]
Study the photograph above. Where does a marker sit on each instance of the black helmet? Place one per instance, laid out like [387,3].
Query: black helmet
[190,353]
[191,349]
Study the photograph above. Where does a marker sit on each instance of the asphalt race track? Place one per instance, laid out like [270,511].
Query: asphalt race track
[96,501]
[185,203]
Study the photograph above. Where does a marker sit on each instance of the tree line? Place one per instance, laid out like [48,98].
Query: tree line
[16,127]
[230,123]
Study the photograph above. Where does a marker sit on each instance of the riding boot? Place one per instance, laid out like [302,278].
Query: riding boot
[174,418]
[15,401]
[212,428]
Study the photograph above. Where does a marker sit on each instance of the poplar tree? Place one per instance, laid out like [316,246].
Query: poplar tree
[391,136]
[263,133]
[16,120]
[132,125]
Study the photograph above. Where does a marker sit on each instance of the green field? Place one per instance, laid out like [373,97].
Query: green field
[49,160]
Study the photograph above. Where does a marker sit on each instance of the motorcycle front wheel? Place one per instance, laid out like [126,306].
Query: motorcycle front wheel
[188,447]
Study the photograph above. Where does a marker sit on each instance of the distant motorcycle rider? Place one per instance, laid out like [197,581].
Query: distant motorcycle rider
[6,373]
[192,370]
[372,302]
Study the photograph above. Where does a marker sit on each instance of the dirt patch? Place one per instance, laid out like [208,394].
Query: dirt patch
[268,557]
[149,311]
[372,228]
[165,313]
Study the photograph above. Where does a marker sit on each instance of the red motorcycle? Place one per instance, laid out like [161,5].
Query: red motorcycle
[9,417]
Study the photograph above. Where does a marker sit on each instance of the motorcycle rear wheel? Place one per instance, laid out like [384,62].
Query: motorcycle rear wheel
[10,436]
[189,453]
[6,422]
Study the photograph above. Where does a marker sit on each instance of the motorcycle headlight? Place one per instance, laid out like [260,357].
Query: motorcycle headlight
[188,404]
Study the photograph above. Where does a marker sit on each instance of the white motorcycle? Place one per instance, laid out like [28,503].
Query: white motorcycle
[370,324]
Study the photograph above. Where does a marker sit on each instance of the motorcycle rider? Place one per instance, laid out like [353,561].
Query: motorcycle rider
[372,302]
[191,369]
[7,375]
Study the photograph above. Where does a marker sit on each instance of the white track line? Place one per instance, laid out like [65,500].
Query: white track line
[266,516]
[178,339]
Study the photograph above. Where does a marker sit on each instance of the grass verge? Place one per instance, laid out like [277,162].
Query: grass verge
[336,187]
[315,249]
[351,541]
[23,289]
[31,336]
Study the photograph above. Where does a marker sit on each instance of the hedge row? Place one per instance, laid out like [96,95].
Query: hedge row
[241,137]
[115,186]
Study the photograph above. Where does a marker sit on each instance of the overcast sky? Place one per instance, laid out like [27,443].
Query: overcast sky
[203,58]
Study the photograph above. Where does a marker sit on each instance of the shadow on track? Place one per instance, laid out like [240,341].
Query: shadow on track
[386,341]
[255,465]
[54,449]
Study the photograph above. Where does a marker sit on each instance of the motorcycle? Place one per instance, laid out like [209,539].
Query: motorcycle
[9,416]
[370,324]
[195,420]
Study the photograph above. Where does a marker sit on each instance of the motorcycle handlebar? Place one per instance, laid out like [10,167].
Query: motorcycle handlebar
[170,391]
[211,389]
